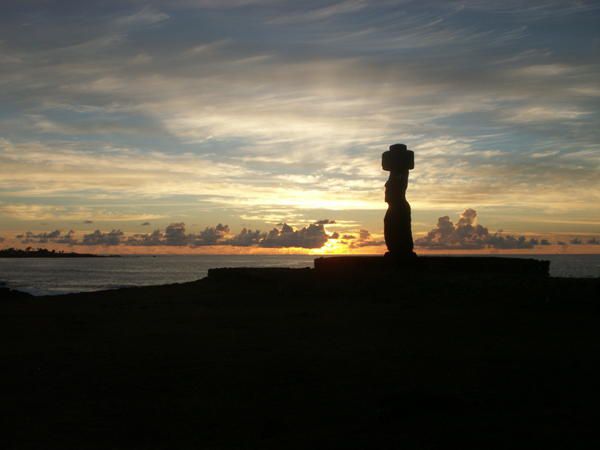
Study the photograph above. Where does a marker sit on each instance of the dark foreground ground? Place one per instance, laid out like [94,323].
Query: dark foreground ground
[247,363]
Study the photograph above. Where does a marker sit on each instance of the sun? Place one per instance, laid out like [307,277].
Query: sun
[331,247]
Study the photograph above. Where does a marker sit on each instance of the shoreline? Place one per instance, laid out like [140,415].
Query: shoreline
[9,292]
[560,271]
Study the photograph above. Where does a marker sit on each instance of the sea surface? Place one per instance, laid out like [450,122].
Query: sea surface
[53,276]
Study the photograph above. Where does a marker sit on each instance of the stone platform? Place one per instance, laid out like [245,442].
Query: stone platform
[380,267]
[430,265]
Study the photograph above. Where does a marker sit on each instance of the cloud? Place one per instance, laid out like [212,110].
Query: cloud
[247,238]
[175,235]
[297,115]
[150,239]
[55,237]
[41,238]
[105,239]
[506,242]
[322,13]
[365,239]
[313,236]
[218,4]
[31,212]
[467,234]
[533,9]
[67,238]
[145,224]
[543,114]
[143,17]
[2,239]
[210,236]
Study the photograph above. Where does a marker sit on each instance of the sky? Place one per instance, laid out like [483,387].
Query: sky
[236,126]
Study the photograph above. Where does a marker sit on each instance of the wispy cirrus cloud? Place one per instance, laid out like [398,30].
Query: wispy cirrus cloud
[331,9]
[33,212]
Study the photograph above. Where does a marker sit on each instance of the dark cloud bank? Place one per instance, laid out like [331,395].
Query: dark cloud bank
[466,234]
[56,237]
[312,236]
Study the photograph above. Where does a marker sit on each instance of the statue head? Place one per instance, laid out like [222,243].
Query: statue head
[398,159]
[400,147]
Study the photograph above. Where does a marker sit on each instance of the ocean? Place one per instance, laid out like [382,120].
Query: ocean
[53,276]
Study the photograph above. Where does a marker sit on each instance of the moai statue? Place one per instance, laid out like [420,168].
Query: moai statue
[397,228]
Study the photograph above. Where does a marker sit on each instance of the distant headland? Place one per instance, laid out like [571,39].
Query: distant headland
[45,253]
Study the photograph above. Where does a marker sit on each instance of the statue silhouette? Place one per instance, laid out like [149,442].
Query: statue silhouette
[397,227]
